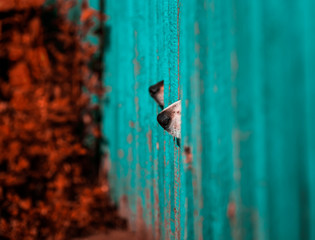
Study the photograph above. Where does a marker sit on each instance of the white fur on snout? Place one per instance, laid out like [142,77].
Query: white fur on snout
[174,111]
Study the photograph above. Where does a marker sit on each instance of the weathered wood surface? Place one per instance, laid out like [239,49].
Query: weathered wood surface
[245,72]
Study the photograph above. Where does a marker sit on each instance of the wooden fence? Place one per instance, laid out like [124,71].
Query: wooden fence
[245,72]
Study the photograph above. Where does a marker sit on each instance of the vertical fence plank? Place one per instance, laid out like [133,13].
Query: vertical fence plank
[261,217]
[248,137]
[162,75]
[309,49]
[283,74]
[216,124]
[109,108]
[168,167]
[189,155]
[153,136]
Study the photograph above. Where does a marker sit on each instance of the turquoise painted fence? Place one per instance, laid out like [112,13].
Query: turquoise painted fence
[245,72]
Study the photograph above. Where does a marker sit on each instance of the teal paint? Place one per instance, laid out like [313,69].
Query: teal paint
[309,52]
[284,117]
[245,104]
[245,74]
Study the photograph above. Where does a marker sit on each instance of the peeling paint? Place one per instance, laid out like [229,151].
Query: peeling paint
[240,123]
[131,124]
[135,61]
[129,138]
[121,153]
[196,28]
[231,211]
[149,139]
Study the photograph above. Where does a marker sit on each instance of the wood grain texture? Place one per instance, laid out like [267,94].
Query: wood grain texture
[245,73]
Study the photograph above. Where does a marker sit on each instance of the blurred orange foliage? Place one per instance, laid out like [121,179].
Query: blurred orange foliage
[46,178]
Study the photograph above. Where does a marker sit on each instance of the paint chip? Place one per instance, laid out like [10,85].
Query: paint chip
[196,28]
[129,138]
[120,153]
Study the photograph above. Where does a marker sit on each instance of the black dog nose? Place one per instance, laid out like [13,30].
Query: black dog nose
[154,89]
[163,119]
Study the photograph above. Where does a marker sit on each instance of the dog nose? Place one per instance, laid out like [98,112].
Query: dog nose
[163,119]
[154,89]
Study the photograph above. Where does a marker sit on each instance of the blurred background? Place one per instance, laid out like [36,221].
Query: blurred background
[50,86]
[82,152]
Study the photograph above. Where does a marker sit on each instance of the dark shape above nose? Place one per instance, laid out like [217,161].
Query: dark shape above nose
[154,89]
[163,119]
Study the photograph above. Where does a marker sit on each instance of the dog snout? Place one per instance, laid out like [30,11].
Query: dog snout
[154,89]
[163,119]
